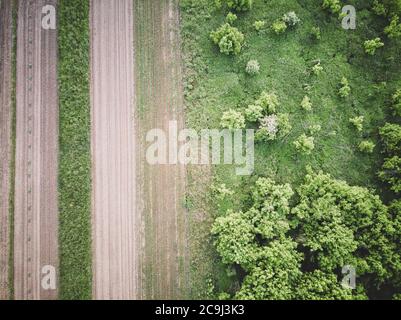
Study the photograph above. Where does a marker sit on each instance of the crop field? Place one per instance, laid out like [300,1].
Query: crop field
[200,150]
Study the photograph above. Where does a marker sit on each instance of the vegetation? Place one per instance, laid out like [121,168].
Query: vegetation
[252,67]
[372,45]
[228,38]
[75,157]
[330,223]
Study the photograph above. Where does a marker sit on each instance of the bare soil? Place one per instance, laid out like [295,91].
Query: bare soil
[36,209]
[5,141]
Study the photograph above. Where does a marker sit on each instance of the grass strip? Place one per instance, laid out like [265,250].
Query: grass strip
[75,152]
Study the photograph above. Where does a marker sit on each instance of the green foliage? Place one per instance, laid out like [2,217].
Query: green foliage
[333,5]
[75,155]
[268,101]
[397,103]
[394,29]
[291,19]
[379,8]
[279,26]
[357,223]
[391,137]
[259,25]
[305,144]
[366,146]
[237,5]
[391,173]
[316,33]
[345,89]
[306,104]
[284,125]
[357,122]
[228,38]
[254,112]
[372,45]
[314,129]
[252,67]
[318,285]
[317,68]
[231,18]
[232,120]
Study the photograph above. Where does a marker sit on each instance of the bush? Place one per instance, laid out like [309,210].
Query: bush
[372,45]
[366,146]
[231,18]
[345,89]
[317,68]
[279,26]
[291,19]
[232,120]
[259,25]
[333,5]
[228,38]
[254,113]
[394,29]
[284,124]
[357,122]
[237,5]
[397,103]
[379,8]
[306,104]
[391,136]
[316,33]
[314,129]
[252,67]
[268,129]
[305,144]
[391,173]
[269,101]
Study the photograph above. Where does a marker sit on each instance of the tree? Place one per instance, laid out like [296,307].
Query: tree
[394,29]
[279,26]
[237,5]
[391,137]
[333,5]
[366,146]
[252,67]
[345,89]
[318,285]
[306,104]
[228,38]
[391,173]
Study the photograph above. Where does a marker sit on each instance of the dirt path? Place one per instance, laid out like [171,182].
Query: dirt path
[5,140]
[164,263]
[36,213]
[113,150]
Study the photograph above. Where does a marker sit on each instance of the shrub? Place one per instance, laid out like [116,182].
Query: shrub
[291,19]
[314,129]
[279,26]
[284,124]
[345,89]
[357,122]
[228,38]
[397,102]
[254,112]
[269,101]
[372,45]
[379,8]
[394,29]
[268,129]
[305,144]
[391,173]
[232,120]
[306,104]
[391,136]
[366,146]
[252,67]
[333,5]
[237,5]
[316,33]
[317,68]
[259,25]
[231,18]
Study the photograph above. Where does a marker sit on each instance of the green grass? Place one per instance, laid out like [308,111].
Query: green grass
[75,155]
[215,83]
